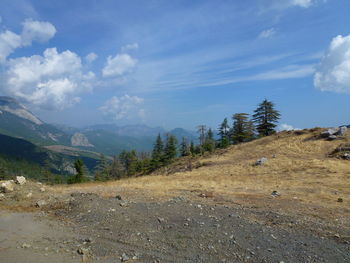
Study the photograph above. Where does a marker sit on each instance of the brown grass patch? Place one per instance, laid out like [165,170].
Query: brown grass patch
[298,168]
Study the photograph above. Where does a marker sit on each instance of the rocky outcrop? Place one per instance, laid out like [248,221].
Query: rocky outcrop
[7,187]
[21,180]
[333,133]
[79,139]
[13,106]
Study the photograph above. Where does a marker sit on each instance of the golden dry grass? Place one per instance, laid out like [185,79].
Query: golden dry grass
[307,179]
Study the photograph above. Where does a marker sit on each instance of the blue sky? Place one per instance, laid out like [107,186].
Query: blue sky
[177,63]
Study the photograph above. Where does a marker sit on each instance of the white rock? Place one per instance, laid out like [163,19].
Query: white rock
[40,203]
[261,161]
[29,195]
[21,180]
[2,196]
[42,189]
[6,187]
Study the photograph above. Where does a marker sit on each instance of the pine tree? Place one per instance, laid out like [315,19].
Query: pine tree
[157,154]
[224,129]
[129,161]
[184,150]
[265,118]
[201,129]
[192,148]
[79,168]
[117,170]
[170,150]
[209,144]
[243,129]
[102,169]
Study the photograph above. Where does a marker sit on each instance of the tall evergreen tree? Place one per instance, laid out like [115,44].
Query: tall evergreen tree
[265,118]
[157,154]
[209,144]
[79,176]
[242,129]
[117,170]
[170,150]
[192,148]
[202,130]
[224,129]
[185,149]
[101,172]
[129,161]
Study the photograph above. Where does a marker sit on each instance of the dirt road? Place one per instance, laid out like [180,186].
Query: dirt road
[90,228]
[34,238]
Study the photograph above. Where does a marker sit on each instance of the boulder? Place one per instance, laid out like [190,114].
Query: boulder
[341,131]
[21,180]
[6,187]
[332,137]
[261,161]
[275,194]
[338,131]
[346,156]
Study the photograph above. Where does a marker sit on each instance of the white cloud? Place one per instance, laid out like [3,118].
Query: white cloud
[36,31]
[302,3]
[32,31]
[286,127]
[333,72]
[284,4]
[123,107]
[91,57]
[267,33]
[118,65]
[9,41]
[128,47]
[51,81]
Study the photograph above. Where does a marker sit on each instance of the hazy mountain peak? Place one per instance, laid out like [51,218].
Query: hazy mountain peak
[11,105]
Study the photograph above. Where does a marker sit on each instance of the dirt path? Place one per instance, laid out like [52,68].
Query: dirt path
[180,229]
[185,230]
[34,238]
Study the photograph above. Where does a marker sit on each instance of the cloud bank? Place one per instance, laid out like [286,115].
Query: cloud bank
[32,31]
[333,73]
[56,80]
[50,81]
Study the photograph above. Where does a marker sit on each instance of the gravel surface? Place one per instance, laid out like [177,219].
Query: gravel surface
[181,230]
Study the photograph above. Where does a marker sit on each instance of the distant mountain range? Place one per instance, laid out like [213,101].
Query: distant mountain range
[17,121]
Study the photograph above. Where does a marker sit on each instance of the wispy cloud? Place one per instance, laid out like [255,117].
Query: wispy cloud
[124,107]
[267,33]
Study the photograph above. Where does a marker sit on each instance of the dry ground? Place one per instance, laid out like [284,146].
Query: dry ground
[215,208]
[298,167]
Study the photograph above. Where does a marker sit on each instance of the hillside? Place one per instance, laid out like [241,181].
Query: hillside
[293,208]
[299,168]
[21,157]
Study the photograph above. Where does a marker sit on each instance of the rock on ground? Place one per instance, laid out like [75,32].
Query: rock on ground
[261,161]
[6,187]
[21,180]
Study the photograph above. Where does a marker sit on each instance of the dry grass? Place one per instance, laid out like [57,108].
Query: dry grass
[307,179]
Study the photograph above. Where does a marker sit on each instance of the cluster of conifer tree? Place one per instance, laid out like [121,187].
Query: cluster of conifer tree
[244,128]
